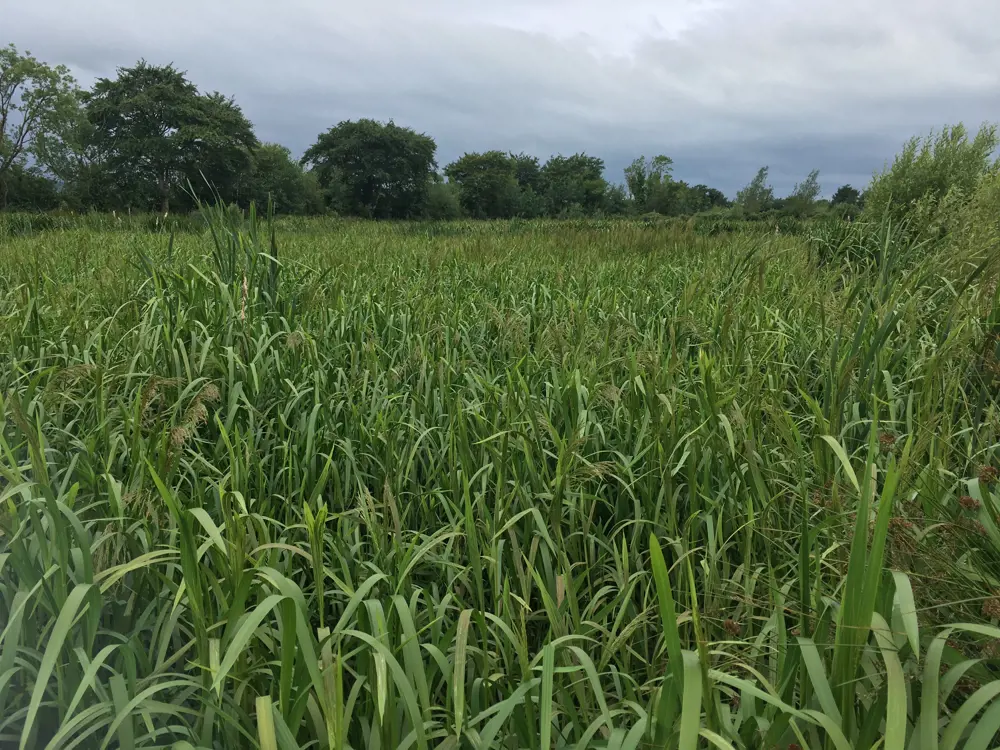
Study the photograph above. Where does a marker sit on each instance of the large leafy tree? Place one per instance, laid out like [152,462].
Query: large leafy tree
[487,184]
[574,184]
[707,198]
[373,169]
[644,177]
[275,175]
[39,104]
[846,195]
[156,134]
[527,171]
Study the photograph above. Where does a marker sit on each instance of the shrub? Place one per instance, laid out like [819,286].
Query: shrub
[931,178]
[442,202]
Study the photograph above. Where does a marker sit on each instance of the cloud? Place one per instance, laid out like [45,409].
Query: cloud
[722,86]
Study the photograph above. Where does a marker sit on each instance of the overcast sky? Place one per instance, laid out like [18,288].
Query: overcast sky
[721,86]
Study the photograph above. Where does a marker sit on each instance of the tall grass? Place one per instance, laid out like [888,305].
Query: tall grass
[482,486]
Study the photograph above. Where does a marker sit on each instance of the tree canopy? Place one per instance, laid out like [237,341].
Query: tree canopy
[573,184]
[374,169]
[156,134]
[846,195]
[276,176]
[487,184]
[38,107]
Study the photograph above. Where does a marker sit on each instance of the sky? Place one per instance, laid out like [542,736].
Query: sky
[721,86]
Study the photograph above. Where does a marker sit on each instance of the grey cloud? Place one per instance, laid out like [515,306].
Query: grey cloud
[721,86]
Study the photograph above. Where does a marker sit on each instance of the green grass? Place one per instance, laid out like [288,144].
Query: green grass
[521,485]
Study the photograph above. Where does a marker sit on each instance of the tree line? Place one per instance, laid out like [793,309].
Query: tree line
[150,140]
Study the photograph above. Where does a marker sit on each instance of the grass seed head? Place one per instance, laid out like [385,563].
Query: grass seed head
[969,503]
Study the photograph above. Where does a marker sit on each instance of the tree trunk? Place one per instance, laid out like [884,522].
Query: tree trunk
[164,188]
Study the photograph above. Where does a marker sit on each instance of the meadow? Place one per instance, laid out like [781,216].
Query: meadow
[327,484]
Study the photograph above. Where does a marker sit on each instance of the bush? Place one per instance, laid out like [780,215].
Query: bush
[931,179]
[442,202]
[975,228]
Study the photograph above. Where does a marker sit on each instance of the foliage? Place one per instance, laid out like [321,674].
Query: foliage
[373,169]
[30,190]
[573,185]
[705,198]
[758,196]
[653,190]
[487,184]
[499,185]
[930,177]
[156,135]
[527,172]
[38,105]
[802,201]
[276,176]
[643,176]
[442,202]
[847,196]
[616,201]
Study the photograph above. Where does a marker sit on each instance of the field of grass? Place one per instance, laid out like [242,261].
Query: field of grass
[495,486]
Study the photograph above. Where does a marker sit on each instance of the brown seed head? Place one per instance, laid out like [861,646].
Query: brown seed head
[179,436]
[969,503]
[988,474]
[886,440]
[210,393]
[991,606]
[197,414]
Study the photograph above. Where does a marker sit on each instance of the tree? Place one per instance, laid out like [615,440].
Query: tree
[156,134]
[846,196]
[275,175]
[635,181]
[808,189]
[644,176]
[30,190]
[709,198]
[803,198]
[38,104]
[442,201]
[758,196]
[527,172]
[667,197]
[931,175]
[487,184]
[573,184]
[373,169]
[616,201]
[222,148]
